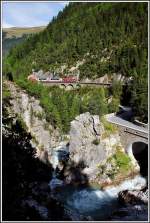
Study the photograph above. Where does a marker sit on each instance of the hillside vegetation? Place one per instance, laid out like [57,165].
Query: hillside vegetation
[15,35]
[107,37]
[63,106]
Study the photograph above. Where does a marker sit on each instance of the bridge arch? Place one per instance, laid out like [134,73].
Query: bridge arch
[69,87]
[138,152]
[78,85]
[63,86]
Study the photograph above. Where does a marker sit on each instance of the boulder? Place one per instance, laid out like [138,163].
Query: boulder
[133,197]
[131,213]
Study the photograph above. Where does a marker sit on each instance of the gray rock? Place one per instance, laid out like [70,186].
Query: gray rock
[87,144]
[29,110]
[133,197]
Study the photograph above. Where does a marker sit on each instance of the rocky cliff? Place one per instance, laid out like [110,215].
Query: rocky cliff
[28,110]
[89,142]
[101,151]
[134,206]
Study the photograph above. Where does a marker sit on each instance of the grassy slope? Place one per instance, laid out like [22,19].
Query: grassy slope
[19,31]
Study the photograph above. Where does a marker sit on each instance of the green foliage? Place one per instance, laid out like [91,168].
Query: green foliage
[65,40]
[11,42]
[139,99]
[96,142]
[114,105]
[109,128]
[116,89]
[61,106]
[117,45]
[6,93]
[75,107]
[119,164]
[122,160]
[97,103]
[39,115]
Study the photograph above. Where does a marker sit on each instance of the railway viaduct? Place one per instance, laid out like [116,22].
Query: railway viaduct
[70,85]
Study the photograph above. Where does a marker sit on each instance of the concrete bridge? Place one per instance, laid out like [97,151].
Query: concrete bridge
[134,138]
[70,85]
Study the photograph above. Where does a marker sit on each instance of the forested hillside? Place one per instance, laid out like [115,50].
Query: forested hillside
[106,37]
[13,36]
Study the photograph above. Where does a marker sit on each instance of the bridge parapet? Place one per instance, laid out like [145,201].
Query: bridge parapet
[129,132]
[76,84]
[137,133]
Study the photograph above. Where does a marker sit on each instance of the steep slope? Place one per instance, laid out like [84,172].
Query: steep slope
[15,35]
[95,38]
[111,36]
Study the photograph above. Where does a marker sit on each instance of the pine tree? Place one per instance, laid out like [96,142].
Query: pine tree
[75,108]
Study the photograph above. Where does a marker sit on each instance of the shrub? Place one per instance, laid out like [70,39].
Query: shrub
[119,163]
[122,160]
[114,105]
[6,93]
[61,107]
[109,128]
[96,142]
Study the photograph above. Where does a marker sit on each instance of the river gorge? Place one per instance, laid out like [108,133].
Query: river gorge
[91,176]
[89,202]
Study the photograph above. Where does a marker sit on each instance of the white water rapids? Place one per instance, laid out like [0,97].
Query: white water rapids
[98,204]
[86,200]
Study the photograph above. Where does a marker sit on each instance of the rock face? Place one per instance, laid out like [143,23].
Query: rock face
[45,137]
[87,144]
[84,130]
[133,197]
[134,206]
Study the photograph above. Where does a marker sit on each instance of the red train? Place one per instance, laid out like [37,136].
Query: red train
[69,79]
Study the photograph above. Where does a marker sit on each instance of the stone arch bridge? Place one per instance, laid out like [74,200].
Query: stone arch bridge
[134,138]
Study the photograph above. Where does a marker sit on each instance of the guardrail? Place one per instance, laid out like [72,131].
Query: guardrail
[137,122]
[136,133]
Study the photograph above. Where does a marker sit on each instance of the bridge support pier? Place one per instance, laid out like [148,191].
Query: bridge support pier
[129,151]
